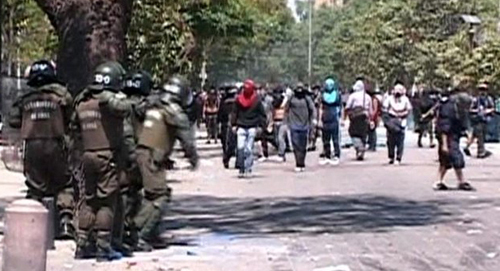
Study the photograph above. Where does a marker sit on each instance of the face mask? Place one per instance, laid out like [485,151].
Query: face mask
[483,94]
[398,95]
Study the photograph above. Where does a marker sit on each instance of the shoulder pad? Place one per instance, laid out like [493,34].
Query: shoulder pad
[55,88]
[165,98]
[120,95]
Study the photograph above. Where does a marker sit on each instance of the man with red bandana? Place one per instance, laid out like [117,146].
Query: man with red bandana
[249,118]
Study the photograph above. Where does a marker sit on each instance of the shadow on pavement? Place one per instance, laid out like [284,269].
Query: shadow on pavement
[306,215]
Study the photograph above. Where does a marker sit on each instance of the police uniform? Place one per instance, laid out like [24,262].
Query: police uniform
[98,123]
[137,87]
[43,114]
[165,122]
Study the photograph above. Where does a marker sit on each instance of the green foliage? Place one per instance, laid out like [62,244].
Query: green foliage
[26,32]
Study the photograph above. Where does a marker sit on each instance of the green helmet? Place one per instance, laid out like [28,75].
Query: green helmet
[109,76]
[177,88]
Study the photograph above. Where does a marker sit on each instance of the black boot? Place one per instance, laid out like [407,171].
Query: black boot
[84,248]
[143,246]
[105,253]
[66,228]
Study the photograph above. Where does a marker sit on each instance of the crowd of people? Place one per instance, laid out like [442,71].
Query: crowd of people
[293,118]
[110,145]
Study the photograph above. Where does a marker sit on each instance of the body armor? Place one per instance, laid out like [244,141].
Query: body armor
[42,117]
[154,132]
[100,128]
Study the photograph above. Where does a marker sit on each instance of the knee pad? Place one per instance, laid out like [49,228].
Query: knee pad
[104,219]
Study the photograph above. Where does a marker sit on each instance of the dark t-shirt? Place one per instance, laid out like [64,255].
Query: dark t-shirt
[448,120]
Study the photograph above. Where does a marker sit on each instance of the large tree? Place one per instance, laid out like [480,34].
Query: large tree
[89,32]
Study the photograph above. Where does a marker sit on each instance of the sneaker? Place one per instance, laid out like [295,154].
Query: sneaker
[439,186]
[279,159]
[324,162]
[302,169]
[391,162]
[397,163]
[433,146]
[467,152]
[262,159]
[298,169]
[241,175]
[335,161]
[485,155]
[465,186]
[248,174]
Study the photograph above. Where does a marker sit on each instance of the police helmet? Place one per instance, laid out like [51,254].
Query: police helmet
[138,83]
[109,76]
[41,72]
[177,88]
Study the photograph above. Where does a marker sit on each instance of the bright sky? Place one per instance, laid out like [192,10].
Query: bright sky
[293,7]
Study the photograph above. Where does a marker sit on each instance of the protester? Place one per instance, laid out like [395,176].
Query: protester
[450,124]
[249,116]
[301,116]
[280,125]
[314,133]
[359,109]
[374,120]
[396,107]
[267,134]
[425,125]
[330,115]
[211,111]
[482,110]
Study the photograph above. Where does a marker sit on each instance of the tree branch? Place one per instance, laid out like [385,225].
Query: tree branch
[52,8]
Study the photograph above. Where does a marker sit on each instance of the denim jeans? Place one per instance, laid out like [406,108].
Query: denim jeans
[372,139]
[281,137]
[299,142]
[245,139]
[331,133]
[396,144]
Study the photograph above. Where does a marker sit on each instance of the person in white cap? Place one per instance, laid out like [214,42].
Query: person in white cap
[396,109]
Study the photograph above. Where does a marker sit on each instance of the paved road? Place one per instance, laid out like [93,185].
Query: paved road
[358,216]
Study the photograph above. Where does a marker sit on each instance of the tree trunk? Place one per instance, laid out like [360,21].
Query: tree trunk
[90,32]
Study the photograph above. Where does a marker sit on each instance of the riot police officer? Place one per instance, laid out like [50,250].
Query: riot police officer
[98,124]
[43,114]
[165,122]
[137,87]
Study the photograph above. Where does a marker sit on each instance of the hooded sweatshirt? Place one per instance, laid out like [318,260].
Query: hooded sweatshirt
[331,103]
[248,109]
[359,98]
[300,111]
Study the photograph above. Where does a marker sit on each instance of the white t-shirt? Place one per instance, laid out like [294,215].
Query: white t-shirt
[398,107]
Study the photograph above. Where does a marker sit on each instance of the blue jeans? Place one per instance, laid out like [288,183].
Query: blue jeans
[246,139]
[331,132]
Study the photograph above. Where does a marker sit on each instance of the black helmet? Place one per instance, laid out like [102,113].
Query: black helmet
[177,88]
[138,83]
[41,72]
[109,76]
